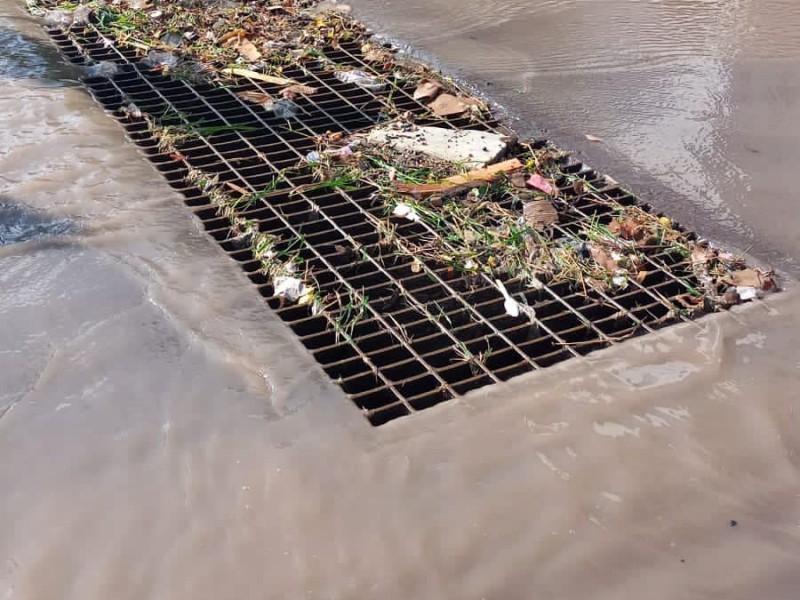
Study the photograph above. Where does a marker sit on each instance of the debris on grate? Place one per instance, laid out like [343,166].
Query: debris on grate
[415,246]
[464,147]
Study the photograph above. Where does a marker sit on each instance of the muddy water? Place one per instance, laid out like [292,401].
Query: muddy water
[163,437]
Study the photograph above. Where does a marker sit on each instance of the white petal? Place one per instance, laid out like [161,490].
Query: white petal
[511,305]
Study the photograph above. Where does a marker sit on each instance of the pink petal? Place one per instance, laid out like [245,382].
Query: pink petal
[542,184]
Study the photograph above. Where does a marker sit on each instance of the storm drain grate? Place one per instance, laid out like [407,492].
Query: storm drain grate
[422,335]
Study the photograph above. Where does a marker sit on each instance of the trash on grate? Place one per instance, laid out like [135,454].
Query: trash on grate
[405,211]
[361,79]
[35,9]
[173,39]
[746,294]
[442,103]
[374,53]
[291,288]
[476,177]
[313,157]
[510,305]
[284,109]
[131,110]
[104,68]
[411,261]
[470,148]
[191,71]
[486,174]
[159,58]
[538,182]
[59,18]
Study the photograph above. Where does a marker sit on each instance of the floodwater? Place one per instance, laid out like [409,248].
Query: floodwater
[162,436]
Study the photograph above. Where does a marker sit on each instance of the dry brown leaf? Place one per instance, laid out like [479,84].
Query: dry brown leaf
[239,42]
[702,255]
[689,301]
[630,229]
[539,214]
[602,257]
[248,49]
[593,138]
[378,55]
[750,278]
[256,97]
[236,33]
[293,91]
[517,179]
[472,102]
[447,105]
[335,136]
[427,89]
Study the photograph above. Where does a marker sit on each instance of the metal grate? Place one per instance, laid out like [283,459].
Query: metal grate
[426,335]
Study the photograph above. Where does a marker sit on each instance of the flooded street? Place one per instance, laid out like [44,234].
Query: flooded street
[163,436]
